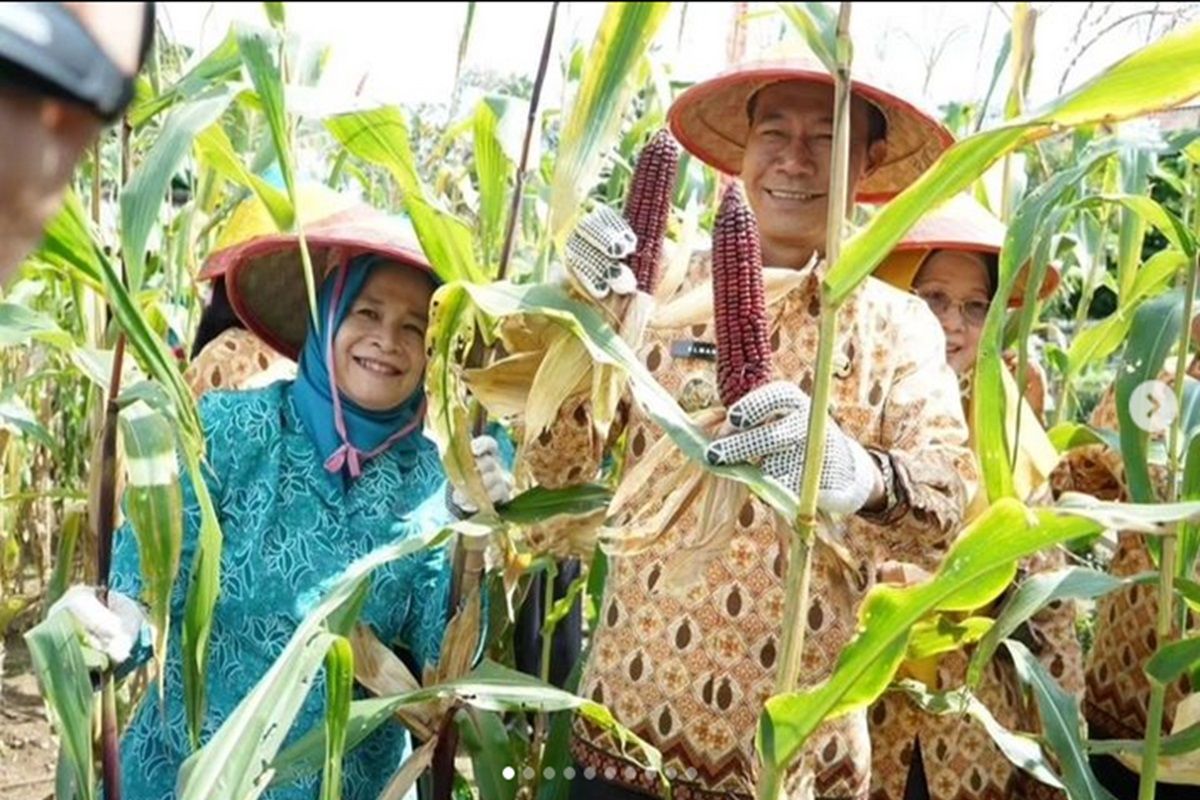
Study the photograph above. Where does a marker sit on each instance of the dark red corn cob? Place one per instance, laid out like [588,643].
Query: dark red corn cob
[739,301]
[648,206]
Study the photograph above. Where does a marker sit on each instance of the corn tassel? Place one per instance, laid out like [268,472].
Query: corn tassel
[739,304]
[648,206]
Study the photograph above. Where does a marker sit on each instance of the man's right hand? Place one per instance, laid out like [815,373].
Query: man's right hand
[596,251]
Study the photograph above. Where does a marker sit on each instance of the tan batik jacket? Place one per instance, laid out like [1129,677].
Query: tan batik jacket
[689,671]
[235,360]
[960,760]
[1118,692]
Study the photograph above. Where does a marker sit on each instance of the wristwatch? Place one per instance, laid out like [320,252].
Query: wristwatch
[888,472]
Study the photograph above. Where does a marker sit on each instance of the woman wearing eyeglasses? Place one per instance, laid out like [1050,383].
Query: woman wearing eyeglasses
[950,260]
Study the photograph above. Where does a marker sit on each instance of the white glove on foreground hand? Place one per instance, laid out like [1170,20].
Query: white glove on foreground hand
[595,251]
[771,425]
[112,630]
[496,479]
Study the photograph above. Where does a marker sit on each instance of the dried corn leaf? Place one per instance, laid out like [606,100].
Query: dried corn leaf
[528,333]
[565,366]
[383,674]
[723,499]
[450,336]
[461,640]
[565,536]
[608,381]
[503,387]
[695,306]
[677,255]
[646,529]
[516,564]
[406,776]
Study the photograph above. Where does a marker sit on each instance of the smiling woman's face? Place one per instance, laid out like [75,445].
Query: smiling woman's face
[379,350]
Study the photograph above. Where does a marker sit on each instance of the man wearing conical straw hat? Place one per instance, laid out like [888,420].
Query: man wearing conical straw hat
[689,671]
[950,260]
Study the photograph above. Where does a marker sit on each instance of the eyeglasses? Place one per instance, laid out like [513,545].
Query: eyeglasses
[46,49]
[974,312]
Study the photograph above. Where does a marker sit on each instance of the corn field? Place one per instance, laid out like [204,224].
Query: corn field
[1101,184]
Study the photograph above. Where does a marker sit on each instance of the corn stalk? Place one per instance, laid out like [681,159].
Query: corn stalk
[799,565]
[110,746]
[94,318]
[1166,579]
[514,213]
[109,736]
[1091,279]
[540,722]
[467,566]
[1024,20]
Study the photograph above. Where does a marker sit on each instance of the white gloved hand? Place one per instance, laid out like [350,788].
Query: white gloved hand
[596,250]
[771,425]
[497,481]
[112,630]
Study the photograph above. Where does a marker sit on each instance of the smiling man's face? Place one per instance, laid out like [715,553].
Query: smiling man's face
[786,166]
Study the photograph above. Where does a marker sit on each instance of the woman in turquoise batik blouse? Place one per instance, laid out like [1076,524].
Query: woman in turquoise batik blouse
[307,476]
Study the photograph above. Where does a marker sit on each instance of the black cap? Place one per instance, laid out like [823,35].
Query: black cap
[46,49]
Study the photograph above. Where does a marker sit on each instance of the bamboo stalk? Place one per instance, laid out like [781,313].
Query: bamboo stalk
[799,568]
[1166,582]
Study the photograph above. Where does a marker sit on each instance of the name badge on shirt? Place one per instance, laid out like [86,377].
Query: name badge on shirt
[694,348]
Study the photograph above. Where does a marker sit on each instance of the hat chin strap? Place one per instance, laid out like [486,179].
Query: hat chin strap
[350,456]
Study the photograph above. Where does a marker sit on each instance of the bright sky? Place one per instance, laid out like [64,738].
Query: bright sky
[408,50]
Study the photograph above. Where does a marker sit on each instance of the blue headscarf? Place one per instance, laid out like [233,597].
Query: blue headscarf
[346,434]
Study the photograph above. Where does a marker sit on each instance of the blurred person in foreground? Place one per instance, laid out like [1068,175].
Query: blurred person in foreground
[66,71]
